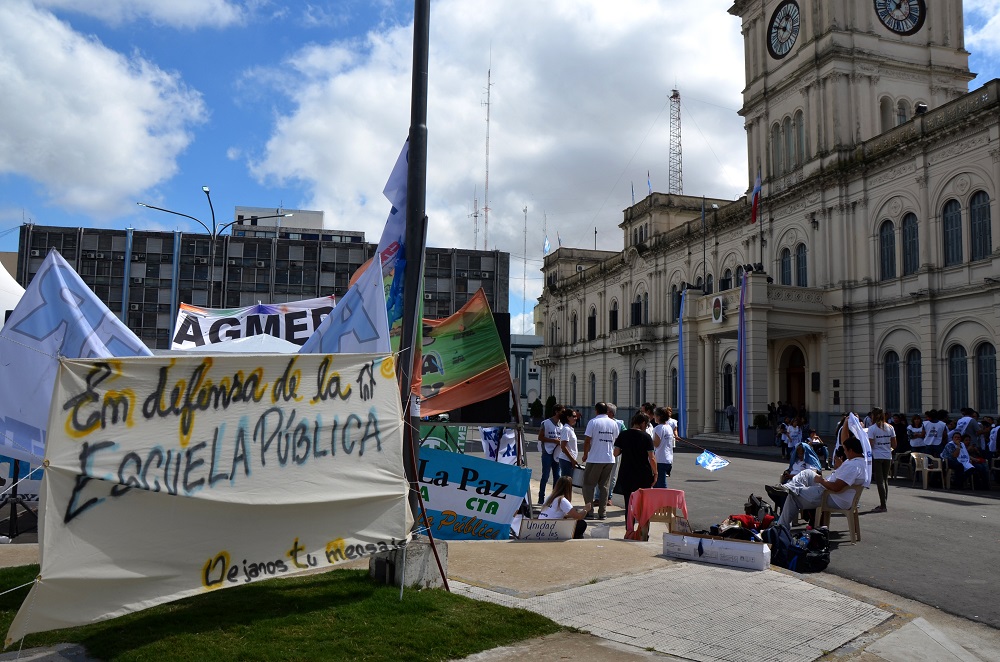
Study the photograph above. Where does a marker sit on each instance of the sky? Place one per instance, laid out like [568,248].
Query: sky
[305,105]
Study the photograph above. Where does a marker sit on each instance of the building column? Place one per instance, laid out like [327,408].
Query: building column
[710,376]
[757,369]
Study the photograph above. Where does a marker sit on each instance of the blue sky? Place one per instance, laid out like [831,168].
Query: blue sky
[306,105]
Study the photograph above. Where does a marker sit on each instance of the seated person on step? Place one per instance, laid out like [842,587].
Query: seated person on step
[558,506]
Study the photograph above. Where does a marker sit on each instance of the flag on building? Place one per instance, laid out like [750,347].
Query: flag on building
[649,183]
[682,415]
[755,198]
[633,193]
[545,246]
[558,239]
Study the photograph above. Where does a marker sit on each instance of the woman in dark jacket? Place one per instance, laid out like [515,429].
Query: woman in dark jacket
[638,468]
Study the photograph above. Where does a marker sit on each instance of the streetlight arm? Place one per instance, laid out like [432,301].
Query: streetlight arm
[222,228]
[175,213]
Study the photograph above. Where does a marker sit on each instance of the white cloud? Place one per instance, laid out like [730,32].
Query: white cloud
[982,31]
[577,86]
[174,13]
[91,127]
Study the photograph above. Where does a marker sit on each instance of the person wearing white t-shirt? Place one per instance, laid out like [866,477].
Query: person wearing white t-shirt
[915,433]
[598,458]
[807,490]
[559,507]
[664,441]
[567,451]
[549,438]
[935,433]
[882,437]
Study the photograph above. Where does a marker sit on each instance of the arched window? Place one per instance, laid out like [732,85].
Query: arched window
[801,271]
[708,284]
[914,388]
[958,378]
[593,389]
[592,323]
[785,267]
[911,245]
[553,338]
[885,113]
[645,307]
[800,138]
[902,112]
[637,389]
[891,373]
[572,390]
[789,136]
[614,387]
[739,275]
[635,319]
[673,386]
[887,251]
[552,386]
[776,163]
[643,398]
[727,385]
[573,328]
[952,222]
[727,280]
[986,378]
[979,226]
[613,316]
[675,303]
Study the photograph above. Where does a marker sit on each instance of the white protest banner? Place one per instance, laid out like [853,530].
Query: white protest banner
[57,316]
[470,498]
[294,321]
[172,476]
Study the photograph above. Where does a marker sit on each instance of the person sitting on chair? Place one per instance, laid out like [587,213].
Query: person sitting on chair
[806,491]
[803,458]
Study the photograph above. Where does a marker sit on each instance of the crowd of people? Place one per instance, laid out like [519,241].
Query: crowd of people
[615,458]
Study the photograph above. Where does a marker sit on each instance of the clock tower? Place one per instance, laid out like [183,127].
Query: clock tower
[822,77]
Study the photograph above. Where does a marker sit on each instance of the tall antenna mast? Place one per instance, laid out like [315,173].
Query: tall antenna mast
[475,220]
[524,278]
[676,172]
[486,193]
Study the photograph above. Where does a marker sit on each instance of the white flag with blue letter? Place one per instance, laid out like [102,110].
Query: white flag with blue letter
[358,323]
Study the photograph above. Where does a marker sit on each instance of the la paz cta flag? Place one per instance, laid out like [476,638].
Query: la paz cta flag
[58,316]
[173,476]
[468,497]
[463,359]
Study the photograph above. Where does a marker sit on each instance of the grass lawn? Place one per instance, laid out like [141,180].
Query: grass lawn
[339,615]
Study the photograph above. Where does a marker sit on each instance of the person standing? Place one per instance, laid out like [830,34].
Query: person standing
[935,433]
[731,415]
[598,459]
[663,443]
[638,465]
[567,451]
[882,437]
[549,438]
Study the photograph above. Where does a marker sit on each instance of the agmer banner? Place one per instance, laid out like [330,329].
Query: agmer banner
[469,498]
[294,321]
[171,476]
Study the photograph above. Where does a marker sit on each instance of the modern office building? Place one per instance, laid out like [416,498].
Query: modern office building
[144,276]
[875,269]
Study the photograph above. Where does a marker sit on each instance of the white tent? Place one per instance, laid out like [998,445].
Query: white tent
[260,344]
[10,294]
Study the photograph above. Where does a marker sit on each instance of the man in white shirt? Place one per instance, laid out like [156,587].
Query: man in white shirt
[850,473]
[549,439]
[598,457]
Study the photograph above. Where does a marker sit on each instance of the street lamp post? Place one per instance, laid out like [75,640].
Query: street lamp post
[214,233]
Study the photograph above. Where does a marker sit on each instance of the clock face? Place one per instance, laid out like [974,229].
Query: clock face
[784,29]
[901,16]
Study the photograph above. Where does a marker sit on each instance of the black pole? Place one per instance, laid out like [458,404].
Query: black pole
[416,233]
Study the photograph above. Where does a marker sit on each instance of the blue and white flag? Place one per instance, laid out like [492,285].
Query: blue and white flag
[499,444]
[649,183]
[545,246]
[58,316]
[358,324]
[711,461]
[558,239]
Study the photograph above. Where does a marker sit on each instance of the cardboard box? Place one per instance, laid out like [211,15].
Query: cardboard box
[720,551]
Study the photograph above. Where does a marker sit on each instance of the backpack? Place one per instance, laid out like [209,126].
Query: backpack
[785,553]
[757,507]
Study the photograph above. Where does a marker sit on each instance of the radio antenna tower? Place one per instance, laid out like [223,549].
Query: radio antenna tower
[676,172]
[486,192]
[475,219]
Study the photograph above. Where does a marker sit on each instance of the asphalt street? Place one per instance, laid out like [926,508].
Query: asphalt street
[937,547]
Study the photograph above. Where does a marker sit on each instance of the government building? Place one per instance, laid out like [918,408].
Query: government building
[873,273]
